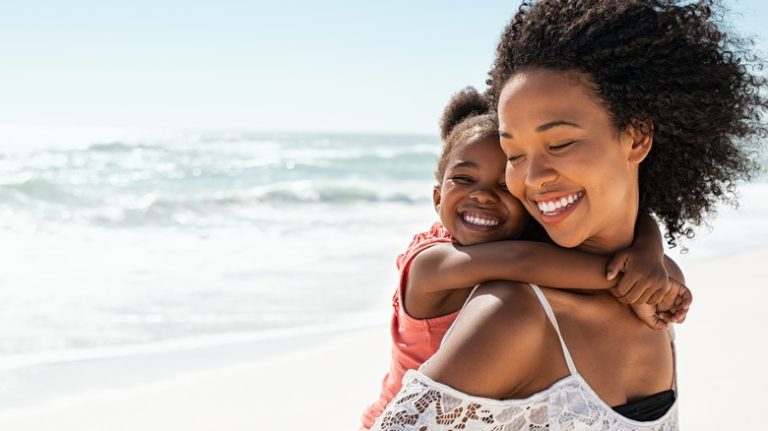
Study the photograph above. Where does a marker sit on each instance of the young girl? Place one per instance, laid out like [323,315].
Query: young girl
[471,244]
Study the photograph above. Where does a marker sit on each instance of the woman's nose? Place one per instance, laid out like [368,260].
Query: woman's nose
[540,172]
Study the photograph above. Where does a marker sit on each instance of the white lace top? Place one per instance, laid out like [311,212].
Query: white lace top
[568,405]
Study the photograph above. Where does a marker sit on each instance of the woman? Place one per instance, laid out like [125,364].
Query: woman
[607,109]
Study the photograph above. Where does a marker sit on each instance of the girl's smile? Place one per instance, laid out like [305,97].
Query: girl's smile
[480,220]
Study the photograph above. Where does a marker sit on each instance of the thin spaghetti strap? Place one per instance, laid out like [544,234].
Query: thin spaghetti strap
[553,320]
[450,328]
[671,332]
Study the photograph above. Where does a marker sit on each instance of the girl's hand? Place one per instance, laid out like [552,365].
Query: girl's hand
[644,277]
[676,303]
[672,309]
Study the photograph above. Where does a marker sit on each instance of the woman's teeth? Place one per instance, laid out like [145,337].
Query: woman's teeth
[480,221]
[555,206]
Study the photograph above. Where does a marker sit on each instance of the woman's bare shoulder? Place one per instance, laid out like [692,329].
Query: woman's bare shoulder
[495,344]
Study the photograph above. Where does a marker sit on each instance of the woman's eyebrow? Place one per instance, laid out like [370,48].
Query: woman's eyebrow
[551,124]
[543,128]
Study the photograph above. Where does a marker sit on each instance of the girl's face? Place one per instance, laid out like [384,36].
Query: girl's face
[574,172]
[472,200]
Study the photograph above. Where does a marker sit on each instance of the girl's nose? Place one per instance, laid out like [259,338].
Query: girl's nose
[483,195]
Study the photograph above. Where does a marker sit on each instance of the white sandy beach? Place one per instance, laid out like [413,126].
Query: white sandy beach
[722,356]
[325,387]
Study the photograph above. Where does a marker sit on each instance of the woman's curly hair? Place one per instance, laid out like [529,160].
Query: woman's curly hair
[663,66]
[468,116]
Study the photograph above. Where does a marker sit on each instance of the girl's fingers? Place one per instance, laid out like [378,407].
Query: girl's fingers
[662,322]
[635,293]
[646,296]
[680,316]
[686,298]
[625,285]
[616,265]
[657,297]
[650,321]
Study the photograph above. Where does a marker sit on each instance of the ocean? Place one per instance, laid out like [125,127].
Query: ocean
[120,244]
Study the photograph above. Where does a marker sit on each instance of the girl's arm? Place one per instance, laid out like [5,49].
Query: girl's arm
[673,307]
[446,267]
[651,282]
[646,271]
[437,272]
[449,266]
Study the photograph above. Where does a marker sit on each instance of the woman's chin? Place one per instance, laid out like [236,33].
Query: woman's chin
[565,239]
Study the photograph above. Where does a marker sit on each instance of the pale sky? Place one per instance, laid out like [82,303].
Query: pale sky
[290,66]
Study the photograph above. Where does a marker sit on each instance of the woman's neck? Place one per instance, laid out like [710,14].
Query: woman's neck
[608,245]
[618,231]
[618,236]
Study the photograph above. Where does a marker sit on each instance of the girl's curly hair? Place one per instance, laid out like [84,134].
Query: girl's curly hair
[663,66]
[468,116]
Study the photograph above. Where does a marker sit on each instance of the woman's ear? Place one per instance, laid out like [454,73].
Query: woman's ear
[436,197]
[640,134]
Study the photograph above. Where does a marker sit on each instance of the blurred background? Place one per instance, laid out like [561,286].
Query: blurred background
[190,176]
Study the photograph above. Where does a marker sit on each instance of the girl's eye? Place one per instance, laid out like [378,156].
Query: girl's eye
[461,179]
[561,146]
[503,186]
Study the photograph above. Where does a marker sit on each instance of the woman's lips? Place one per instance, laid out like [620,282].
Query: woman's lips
[555,208]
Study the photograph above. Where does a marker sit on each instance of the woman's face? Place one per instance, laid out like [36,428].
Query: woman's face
[574,172]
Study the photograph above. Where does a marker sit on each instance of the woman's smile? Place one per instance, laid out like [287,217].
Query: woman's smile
[556,207]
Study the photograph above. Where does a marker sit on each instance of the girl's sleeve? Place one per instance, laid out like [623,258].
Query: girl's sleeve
[423,404]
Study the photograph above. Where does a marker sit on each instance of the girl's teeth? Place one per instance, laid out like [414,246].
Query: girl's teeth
[481,222]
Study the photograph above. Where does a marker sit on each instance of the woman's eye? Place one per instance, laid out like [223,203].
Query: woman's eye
[561,146]
[514,159]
